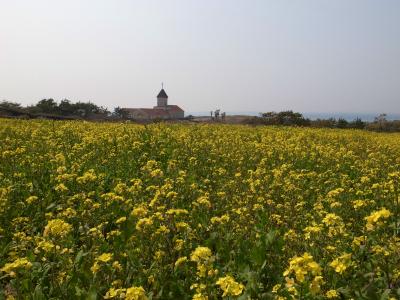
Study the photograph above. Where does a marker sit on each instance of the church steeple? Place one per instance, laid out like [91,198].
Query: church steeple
[162,94]
[162,98]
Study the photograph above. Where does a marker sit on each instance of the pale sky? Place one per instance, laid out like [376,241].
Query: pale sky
[237,55]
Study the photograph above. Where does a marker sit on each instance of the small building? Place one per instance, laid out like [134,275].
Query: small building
[162,111]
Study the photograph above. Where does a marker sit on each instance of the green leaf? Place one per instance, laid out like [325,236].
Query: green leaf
[79,257]
[51,206]
[38,294]
[385,295]
[92,294]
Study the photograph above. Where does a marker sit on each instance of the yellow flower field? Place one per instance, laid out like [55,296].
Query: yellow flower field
[123,211]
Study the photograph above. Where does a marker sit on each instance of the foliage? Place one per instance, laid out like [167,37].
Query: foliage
[10,105]
[120,113]
[49,107]
[382,124]
[285,118]
[105,210]
[290,118]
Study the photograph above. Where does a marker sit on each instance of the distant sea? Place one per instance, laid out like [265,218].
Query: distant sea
[313,116]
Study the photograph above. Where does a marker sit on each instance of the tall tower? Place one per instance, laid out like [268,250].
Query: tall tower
[162,99]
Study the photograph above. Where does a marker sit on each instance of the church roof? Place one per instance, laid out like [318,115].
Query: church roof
[162,94]
[155,112]
[174,108]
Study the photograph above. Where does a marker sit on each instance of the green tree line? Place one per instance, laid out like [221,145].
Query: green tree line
[50,107]
[290,118]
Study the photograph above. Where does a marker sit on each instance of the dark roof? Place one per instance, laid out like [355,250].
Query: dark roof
[155,112]
[148,111]
[162,94]
[174,108]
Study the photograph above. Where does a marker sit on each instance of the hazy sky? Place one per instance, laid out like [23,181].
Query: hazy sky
[237,55]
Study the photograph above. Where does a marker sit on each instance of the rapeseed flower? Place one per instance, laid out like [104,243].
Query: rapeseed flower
[376,217]
[229,286]
[20,263]
[135,293]
[331,294]
[57,228]
[180,261]
[341,263]
[301,266]
[121,203]
[201,254]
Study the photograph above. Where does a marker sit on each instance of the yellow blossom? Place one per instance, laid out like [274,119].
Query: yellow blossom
[199,296]
[105,257]
[180,261]
[144,222]
[229,286]
[200,254]
[31,199]
[341,263]
[135,293]
[332,294]
[20,263]
[120,220]
[57,228]
[374,219]
[315,285]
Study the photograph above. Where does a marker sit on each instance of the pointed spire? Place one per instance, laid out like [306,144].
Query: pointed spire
[162,94]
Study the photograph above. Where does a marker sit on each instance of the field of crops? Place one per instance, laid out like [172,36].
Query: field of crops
[93,211]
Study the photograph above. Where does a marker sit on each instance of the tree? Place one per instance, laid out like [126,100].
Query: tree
[269,115]
[285,118]
[10,105]
[85,109]
[381,122]
[66,108]
[11,109]
[120,113]
[48,106]
[357,123]
[342,123]
[216,113]
[223,115]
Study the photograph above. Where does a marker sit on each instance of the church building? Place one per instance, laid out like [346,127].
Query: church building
[162,111]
